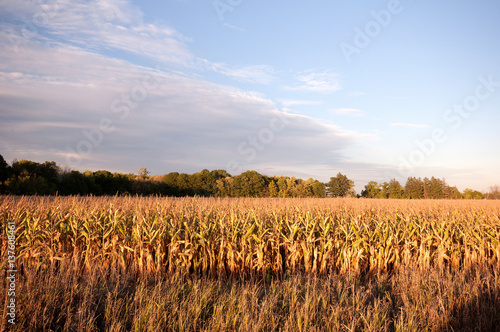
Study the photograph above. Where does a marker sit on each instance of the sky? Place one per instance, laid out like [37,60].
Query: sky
[372,89]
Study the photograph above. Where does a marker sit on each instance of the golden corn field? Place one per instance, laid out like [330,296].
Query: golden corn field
[252,246]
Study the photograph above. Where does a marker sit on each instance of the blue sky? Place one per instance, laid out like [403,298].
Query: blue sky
[373,89]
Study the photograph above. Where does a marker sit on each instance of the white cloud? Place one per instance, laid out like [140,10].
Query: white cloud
[320,82]
[349,111]
[412,125]
[258,74]
[291,102]
[185,124]
[60,83]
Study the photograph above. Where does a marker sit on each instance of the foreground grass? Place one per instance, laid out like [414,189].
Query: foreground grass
[194,264]
[406,301]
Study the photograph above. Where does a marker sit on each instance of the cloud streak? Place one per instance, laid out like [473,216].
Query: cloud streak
[349,111]
[314,81]
[410,125]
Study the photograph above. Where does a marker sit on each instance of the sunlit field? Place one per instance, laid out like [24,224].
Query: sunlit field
[190,264]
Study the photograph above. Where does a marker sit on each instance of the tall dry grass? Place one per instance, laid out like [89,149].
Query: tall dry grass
[186,264]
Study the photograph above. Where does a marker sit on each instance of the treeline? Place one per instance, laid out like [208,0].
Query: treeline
[31,178]
[418,188]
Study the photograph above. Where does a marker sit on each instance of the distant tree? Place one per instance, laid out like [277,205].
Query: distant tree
[394,189]
[454,193]
[472,194]
[414,188]
[340,186]
[73,183]
[144,173]
[4,174]
[318,189]
[249,184]
[225,187]
[372,190]
[282,184]
[273,189]
[436,188]
[494,192]
[32,178]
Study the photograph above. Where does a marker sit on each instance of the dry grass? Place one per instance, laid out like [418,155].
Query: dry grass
[187,264]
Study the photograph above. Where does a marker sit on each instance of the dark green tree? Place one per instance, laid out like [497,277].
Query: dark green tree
[340,186]
[372,190]
[249,184]
[394,189]
[4,174]
[436,188]
[318,189]
[472,194]
[414,188]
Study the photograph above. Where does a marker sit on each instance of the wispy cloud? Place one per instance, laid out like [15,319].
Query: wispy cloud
[291,102]
[412,125]
[349,111]
[321,82]
[258,74]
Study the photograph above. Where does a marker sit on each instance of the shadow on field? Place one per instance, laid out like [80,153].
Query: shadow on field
[481,313]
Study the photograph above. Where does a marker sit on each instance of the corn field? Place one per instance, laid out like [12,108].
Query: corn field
[242,238]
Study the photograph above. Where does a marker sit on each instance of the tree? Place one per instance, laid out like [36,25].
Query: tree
[454,193]
[394,189]
[273,189]
[4,174]
[472,194]
[340,186]
[144,173]
[249,184]
[318,189]
[436,188]
[372,190]
[414,188]
[494,192]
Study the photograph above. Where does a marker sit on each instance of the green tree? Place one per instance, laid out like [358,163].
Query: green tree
[372,190]
[394,189]
[273,189]
[414,188]
[340,186]
[249,184]
[454,193]
[4,174]
[436,188]
[472,194]
[318,189]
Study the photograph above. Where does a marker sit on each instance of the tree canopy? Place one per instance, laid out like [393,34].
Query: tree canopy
[27,177]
